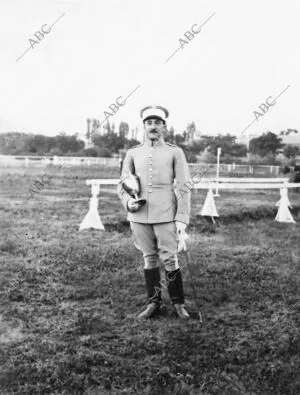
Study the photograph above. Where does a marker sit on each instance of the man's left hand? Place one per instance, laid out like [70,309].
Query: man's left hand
[180,227]
[181,235]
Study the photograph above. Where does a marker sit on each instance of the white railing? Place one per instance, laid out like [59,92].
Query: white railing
[233,169]
[29,161]
[245,180]
[224,183]
[253,185]
[93,220]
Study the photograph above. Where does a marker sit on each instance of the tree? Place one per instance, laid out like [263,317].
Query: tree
[107,127]
[179,139]
[190,157]
[68,143]
[169,135]
[89,152]
[109,140]
[196,146]
[290,151]
[191,131]
[131,143]
[14,143]
[40,144]
[88,133]
[123,129]
[238,150]
[96,151]
[95,127]
[226,143]
[266,144]
[287,132]
[113,142]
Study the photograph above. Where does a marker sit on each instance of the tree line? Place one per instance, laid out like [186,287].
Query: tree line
[110,143]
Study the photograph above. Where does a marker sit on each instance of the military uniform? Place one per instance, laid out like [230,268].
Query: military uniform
[163,173]
[157,166]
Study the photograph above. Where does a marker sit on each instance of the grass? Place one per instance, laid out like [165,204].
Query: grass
[69,298]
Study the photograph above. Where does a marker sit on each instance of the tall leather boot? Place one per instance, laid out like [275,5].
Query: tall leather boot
[175,289]
[153,288]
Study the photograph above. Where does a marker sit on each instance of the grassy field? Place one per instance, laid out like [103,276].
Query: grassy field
[69,299]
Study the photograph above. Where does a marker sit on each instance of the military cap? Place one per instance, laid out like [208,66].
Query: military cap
[154,111]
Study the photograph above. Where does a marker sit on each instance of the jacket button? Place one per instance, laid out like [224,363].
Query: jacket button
[150,183]
[150,190]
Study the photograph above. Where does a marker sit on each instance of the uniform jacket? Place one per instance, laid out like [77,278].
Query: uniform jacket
[157,166]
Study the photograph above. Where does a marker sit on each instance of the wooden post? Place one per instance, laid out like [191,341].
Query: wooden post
[218,171]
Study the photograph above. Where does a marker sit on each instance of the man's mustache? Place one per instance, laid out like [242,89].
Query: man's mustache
[157,130]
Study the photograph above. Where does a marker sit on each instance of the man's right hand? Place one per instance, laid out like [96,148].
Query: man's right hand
[132,205]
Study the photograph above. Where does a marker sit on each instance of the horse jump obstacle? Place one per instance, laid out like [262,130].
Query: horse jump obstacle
[93,220]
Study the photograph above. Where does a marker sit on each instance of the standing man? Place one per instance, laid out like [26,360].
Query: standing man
[157,223]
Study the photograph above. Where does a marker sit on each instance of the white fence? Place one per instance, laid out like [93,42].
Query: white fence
[93,220]
[226,183]
[233,170]
[229,170]
[29,161]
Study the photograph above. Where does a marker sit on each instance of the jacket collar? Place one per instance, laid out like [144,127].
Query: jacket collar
[156,143]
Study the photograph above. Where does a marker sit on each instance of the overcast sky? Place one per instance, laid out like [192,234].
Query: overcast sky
[100,50]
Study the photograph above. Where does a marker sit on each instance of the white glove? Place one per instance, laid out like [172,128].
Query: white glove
[180,226]
[132,205]
[181,235]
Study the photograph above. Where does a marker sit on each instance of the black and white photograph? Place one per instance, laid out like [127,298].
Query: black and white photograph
[149,197]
